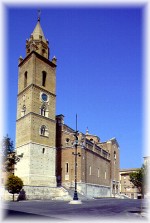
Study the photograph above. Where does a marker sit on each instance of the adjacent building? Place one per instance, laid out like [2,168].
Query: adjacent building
[97,162]
[147,179]
[126,187]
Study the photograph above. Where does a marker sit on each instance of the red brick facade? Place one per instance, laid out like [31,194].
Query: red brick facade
[98,163]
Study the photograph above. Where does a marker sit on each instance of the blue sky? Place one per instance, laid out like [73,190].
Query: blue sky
[99,55]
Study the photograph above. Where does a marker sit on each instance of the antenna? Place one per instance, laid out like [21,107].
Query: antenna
[76,122]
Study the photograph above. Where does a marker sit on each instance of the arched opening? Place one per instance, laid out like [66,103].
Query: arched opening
[24,110]
[25,79]
[43,110]
[43,52]
[43,130]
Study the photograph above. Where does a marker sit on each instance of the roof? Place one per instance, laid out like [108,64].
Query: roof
[129,170]
[38,32]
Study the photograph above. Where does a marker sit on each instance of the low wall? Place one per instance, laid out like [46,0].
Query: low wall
[37,193]
[91,190]
[94,190]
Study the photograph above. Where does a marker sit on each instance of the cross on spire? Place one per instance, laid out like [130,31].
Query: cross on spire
[39,13]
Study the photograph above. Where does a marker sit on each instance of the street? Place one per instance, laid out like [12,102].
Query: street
[106,209]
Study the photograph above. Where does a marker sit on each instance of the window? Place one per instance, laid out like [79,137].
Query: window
[43,110]
[24,110]
[115,155]
[43,150]
[25,79]
[98,172]
[90,170]
[43,130]
[44,97]
[43,78]
[105,175]
[43,52]
[67,168]
[67,140]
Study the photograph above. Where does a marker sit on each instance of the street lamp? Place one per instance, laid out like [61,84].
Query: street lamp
[76,154]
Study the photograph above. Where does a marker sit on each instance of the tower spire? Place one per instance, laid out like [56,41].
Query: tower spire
[87,131]
[37,41]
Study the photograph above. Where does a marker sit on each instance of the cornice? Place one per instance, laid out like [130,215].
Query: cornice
[38,56]
[36,86]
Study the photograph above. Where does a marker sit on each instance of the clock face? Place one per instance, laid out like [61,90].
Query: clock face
[44,97]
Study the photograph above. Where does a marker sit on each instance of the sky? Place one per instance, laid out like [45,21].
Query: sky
[99,74]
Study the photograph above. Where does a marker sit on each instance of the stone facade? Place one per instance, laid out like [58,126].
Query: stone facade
[36,126]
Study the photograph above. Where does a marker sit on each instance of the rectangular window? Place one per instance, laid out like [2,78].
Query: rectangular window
[67,167]
[43,78]
[98,172]
[90,170]
[25,79]
[105,175]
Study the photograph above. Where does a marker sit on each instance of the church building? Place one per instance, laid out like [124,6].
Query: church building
[47,144]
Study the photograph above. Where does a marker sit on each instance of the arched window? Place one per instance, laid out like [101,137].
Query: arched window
[43,131]
[43,78]
[115,155]
[43,52]
[43,110]
[23,111]
[25,79]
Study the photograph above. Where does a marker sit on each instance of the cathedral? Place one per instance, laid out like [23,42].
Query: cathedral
[47,144]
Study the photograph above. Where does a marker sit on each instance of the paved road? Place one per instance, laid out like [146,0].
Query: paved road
[60,211]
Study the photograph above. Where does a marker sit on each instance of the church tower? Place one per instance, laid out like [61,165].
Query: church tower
[36,125]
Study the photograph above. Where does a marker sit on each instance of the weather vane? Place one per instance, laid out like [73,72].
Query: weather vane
[39,13]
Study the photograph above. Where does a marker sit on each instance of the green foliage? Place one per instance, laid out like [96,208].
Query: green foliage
[7,145]
[9,157]
[9,162]
[137,178]
[13,184]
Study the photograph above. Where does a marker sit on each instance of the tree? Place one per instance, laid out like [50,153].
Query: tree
[7,145]
[13,184]
[138,178]
[9,162]
[9,157]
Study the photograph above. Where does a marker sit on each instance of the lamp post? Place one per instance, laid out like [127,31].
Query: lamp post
[75,197]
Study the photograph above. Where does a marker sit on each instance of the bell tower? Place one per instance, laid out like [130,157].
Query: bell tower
[36,125]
